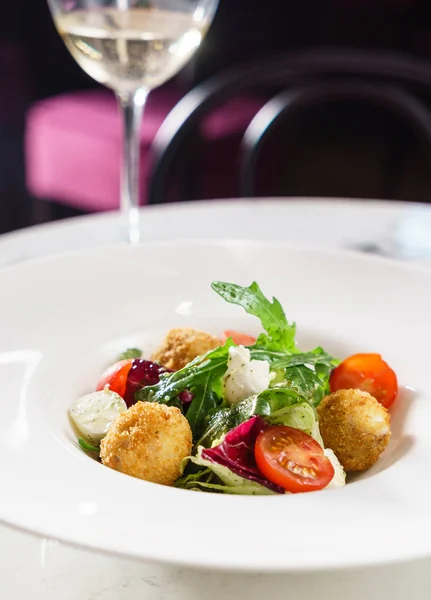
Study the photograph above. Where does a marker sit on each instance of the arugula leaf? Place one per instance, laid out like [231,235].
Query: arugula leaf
[280,333]
[204,402]
[172,384]
[176,402]
[225,419]
[318,356]
[262,353]
[307,373]
[305,382]
[130,353]
[274,399]
[324,373]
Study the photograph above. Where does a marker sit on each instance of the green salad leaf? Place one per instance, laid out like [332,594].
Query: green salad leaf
[300,416]
[262,353]
[213,364]
[318,356]
[205,400]
[87,446]
[308,373]
[299,376]
[130,353]
[225,481]
[306,383]
[302,386]
[192,481]
[201,377]
[264,405]
[226,418]
[273,399]
[280,333]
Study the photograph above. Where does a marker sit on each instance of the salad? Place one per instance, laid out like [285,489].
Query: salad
[236,414]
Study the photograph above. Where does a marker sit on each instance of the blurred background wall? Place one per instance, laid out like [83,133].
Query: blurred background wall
[34,65]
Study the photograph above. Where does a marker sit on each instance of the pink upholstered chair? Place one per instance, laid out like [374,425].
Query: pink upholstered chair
[73,146]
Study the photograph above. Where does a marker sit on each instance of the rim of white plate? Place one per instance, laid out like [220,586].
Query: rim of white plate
[61,493]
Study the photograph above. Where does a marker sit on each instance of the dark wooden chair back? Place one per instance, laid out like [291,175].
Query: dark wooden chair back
[394,82]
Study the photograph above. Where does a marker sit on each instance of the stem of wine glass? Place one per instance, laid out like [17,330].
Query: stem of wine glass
[132,107]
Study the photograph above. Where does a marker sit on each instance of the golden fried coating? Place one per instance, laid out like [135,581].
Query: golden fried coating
[148,441]
[356,426]
[183,345]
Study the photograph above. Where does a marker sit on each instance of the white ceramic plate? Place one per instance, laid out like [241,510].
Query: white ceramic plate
[63,320]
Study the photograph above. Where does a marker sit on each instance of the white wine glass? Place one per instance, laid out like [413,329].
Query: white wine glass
[132,46]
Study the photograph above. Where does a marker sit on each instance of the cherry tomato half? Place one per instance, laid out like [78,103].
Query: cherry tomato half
[292,459]
[367,372]
[241,339]
[116,377]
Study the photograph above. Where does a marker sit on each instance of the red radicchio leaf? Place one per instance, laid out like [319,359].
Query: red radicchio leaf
[236,452]
[143,373]
[186,398]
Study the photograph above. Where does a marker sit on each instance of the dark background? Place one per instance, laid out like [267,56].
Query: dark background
[34,64]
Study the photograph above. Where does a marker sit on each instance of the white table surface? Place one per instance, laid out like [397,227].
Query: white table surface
[36,569]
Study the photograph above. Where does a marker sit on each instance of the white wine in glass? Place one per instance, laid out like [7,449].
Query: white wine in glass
[132,46]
